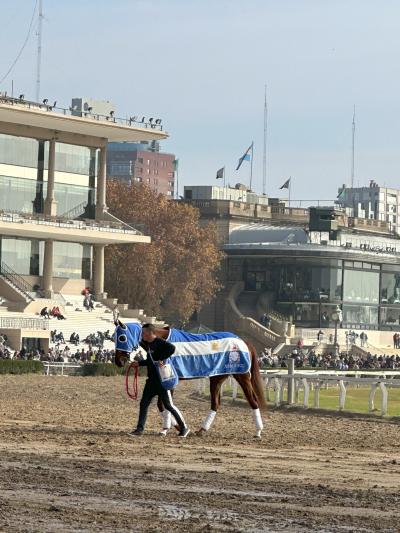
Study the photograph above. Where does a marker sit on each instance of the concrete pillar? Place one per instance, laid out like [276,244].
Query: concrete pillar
[98,270]
[50,204]
[48,269]
[101,206]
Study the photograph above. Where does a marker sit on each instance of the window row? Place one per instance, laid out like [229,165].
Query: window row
[25,257]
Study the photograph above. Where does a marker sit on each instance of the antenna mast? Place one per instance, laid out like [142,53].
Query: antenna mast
[39,50]
[353,130]
[264,185]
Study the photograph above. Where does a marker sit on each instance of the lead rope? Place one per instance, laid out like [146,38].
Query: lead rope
[134,390]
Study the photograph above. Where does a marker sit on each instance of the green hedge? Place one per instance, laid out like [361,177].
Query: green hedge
[17,366]
[105,369]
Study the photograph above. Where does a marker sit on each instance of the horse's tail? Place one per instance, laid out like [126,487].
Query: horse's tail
[256,380]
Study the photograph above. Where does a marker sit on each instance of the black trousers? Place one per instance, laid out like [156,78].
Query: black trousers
[151,390]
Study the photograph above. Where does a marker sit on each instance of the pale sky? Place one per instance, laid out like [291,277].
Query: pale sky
[201,66]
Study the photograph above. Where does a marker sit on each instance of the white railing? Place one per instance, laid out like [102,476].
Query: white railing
[59,366]
[310,380]
[24,323]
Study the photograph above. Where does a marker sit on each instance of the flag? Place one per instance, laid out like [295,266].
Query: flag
[245,157]
[220,173]
[175,164]
[286,185]
[341,194]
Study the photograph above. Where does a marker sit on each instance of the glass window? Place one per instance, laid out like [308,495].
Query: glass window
[390,288]
[69,158]
[21,255]
[390,316]
[22,195]
[73,200]
[307,314]
[317,284]
[327,311]
[357,316]
[71,260]
[361,286]
[19,151]
[255,281]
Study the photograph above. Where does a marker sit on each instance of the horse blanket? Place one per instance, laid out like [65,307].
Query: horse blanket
[208,354]
[196,355]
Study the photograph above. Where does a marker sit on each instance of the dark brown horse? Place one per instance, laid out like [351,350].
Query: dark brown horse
[251,384]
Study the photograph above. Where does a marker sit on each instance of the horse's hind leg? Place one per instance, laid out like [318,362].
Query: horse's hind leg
[244,381]
[215,395]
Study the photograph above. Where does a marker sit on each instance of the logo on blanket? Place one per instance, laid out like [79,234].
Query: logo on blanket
[234,357]
[215,346]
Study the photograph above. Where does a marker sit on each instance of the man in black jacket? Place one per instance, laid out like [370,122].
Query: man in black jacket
[157,350]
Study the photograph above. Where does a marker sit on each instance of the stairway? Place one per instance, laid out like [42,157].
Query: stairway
[79,320]
[12,286]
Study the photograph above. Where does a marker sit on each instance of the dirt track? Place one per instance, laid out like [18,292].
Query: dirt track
[67,465]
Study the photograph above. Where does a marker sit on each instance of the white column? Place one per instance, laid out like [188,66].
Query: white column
[50,205]
[101,206]
[48,269]
[98,270]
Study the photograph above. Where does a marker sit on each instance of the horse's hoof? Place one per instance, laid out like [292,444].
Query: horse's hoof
[257,435]
[200,432]
[163,433]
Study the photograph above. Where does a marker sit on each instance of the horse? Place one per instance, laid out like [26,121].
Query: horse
[128,341]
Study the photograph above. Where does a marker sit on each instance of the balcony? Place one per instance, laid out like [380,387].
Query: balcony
[43,227]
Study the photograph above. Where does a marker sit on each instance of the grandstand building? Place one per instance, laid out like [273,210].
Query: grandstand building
[54,221]
[301,264]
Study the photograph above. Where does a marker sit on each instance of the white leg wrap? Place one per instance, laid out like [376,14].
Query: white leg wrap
[166,416]
[209,419]
[258,422]
[173,421]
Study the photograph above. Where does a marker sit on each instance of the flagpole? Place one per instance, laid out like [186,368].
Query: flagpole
[264,183]
[224,177]
[251,164]
[290,186]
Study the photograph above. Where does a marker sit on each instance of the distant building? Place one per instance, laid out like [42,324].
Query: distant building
[142,163]
[373,202]
[239,193]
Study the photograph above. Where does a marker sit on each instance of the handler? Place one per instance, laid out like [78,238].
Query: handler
[158,350]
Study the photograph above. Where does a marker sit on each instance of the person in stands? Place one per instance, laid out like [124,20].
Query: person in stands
[45,312]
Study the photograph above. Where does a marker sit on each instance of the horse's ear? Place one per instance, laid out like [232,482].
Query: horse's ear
[120,324]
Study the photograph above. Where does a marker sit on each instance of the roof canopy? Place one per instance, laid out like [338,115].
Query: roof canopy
[263,233]
[90,126]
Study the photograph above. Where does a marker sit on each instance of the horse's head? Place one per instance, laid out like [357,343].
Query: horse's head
[127,338]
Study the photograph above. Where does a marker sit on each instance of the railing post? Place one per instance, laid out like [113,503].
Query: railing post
[316,394]
[342,395]
[277,395]
[384,392]
[306,392]
[290,389]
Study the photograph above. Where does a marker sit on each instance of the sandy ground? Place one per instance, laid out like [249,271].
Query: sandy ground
[66,464]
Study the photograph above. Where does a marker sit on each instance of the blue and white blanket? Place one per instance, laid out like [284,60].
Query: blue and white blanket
[208,354]
[196,355]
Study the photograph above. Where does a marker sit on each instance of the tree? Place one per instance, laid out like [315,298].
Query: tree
[176,274]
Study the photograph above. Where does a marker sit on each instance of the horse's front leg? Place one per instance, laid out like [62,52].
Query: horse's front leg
[215,396]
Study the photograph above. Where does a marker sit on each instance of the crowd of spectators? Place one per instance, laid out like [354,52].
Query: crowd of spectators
[330,361]
[62,351]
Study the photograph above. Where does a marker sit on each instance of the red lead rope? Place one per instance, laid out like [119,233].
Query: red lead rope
[133,391]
